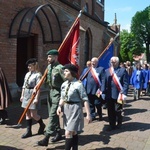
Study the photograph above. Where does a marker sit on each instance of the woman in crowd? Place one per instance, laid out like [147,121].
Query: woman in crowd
[72,95]
[31,79]
[145,72]
[136,80]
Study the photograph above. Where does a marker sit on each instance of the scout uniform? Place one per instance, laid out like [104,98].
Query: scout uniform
[73,113]
[31,79]
[54,80]
[73,94]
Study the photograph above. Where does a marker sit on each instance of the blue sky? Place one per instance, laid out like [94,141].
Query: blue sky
[124,9]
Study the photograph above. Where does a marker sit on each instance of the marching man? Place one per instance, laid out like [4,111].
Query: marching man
[116,91]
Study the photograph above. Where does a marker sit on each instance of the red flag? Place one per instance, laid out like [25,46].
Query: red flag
[69,51]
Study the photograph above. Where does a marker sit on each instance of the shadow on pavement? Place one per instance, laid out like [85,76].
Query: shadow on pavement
[105,136]
[15,111]
[109,148]
[129,111]
[8,148]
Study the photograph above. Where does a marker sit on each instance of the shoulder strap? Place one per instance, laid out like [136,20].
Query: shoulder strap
[115,79]
[95,76]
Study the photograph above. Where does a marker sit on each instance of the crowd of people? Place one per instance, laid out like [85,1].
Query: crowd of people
[139,78]
[95,88]
[68,94]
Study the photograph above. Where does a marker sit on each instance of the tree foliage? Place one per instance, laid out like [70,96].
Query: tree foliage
[140,28]
[125,45]
[129,46]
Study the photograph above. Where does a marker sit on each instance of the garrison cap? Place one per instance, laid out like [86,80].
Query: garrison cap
[52,52]
[31,61]
[71,68]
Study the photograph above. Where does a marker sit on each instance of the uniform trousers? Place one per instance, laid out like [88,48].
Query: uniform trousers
[114,112]
[52,102]
[94,101]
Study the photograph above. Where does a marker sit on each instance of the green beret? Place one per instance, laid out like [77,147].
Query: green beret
[52,52]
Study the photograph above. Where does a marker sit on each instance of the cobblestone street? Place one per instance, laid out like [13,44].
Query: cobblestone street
[134,134]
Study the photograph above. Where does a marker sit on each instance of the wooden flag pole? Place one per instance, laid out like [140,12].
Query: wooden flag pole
[67,36]
[107,47]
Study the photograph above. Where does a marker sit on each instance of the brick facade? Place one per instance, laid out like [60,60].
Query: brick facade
[12,50]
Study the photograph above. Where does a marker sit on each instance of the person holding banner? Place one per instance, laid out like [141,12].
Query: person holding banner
[54,80]
[116,91]
[32,78]
[73,94]
[95,86]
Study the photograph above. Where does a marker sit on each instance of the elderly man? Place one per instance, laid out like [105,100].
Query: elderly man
[95,86]
[116,91]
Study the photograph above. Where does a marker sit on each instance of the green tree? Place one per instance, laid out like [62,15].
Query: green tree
[125,39]
[129,46]
[140,27]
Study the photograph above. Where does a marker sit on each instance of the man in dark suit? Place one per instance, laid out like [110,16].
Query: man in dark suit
[95,80]
[116,84]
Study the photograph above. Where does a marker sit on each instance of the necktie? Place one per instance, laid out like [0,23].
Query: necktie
[67,89]
[27,81]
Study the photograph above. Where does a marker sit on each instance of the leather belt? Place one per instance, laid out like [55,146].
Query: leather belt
[70,102]
[29,87]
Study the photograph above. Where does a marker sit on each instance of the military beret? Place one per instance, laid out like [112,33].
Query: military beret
[52,52]
[71,68]
[31,61]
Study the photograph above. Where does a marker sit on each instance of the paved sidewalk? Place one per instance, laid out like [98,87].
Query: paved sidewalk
[134,134]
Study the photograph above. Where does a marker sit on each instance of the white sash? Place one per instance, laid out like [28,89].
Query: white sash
[98,82]
[121,96]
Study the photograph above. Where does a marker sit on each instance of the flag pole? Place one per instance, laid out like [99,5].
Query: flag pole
[46,71]
[107,47]
[67,36]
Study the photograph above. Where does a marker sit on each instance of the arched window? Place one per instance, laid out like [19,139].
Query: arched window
[88,46]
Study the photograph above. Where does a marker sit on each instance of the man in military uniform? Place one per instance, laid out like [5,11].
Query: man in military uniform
[54,80]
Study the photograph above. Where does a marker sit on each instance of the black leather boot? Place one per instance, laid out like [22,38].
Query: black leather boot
[57,137]
[75,142]
[45,141]
[28,132]
[68,143]
[3,116]
[42,127]
[119,119]
[99,112]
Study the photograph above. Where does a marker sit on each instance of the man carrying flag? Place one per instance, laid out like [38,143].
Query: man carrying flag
[116,91]
[53,80]
[67,53]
